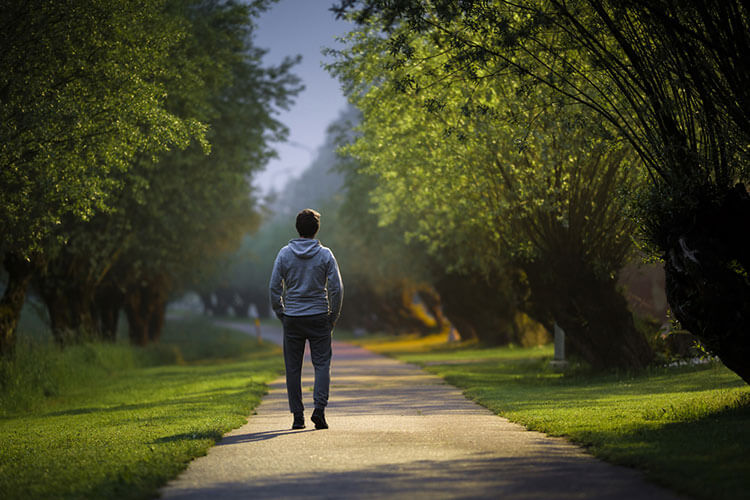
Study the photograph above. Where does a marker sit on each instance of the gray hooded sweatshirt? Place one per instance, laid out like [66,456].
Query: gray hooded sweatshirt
[305,280]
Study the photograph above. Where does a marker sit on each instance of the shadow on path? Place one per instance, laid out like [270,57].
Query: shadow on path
[258,436]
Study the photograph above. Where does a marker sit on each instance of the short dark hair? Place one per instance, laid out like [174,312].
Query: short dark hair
[308,223]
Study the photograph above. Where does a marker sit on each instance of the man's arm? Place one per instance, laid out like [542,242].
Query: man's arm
[276,288]
[335,290]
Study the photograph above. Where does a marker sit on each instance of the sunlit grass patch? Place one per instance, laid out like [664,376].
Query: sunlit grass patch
[127,430]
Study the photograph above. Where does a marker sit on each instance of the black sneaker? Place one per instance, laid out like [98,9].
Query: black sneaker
[299,421]
[319,418]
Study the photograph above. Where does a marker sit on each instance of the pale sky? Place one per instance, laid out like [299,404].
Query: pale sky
[301,27]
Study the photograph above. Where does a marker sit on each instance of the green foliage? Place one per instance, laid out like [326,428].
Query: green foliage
[136,421]
[497,172]
[378,275]
[489,176]
[176,213]
[83,93]
[685,428]
[671,80]
[654,70]
[198,206]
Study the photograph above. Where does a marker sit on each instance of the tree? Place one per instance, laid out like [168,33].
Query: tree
[485,194]
[205,204]
[178,212]
[389,286]
[672,78]
[81,94]
[381,282]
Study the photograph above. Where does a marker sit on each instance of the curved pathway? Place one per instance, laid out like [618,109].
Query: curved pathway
[396,432]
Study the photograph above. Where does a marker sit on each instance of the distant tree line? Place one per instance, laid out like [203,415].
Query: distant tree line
[381,281]
[526,142]
[129,132]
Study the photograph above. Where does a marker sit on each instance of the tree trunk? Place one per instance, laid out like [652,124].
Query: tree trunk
[431,300]
[69,299]
[136,312]
[601,330]
[207,299]
[108,301]
[58,311]
[70,313]
[224,298]
[145,307]
[707,271]
[19,272]
[477,308]
[156,321]
[599,326]
[108,316]
[159,294]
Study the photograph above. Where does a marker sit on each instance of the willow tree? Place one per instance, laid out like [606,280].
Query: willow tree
[673,78]
[490,173]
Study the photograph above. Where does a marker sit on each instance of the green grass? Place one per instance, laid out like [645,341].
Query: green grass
[686,428]
[117,421]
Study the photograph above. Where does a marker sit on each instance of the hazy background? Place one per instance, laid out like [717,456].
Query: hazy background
[303,27]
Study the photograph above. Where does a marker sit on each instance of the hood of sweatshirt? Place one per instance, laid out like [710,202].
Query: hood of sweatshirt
[305,248]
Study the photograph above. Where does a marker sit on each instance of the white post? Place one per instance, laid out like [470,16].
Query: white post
[559,343]
[559,363]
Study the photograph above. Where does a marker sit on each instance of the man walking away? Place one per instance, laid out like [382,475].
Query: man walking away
[306,292]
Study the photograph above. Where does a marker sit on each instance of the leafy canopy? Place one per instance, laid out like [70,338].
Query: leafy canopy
[82,93]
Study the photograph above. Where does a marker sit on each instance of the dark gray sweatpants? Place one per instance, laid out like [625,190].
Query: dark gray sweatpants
[317,330]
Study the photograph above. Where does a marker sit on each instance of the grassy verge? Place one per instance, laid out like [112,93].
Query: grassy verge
[118,422]
[686,428]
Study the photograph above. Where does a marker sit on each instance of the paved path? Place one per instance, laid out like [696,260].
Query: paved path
[396,432]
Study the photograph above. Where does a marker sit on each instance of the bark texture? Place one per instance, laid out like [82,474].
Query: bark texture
[145,308]
[479,309]
[20,272]
[108,302]
[598,324]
